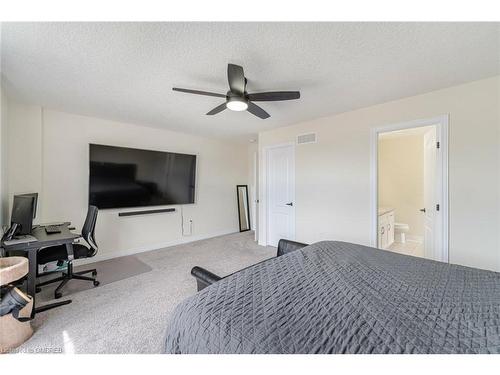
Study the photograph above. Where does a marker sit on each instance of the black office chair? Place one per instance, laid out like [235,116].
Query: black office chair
[59,253]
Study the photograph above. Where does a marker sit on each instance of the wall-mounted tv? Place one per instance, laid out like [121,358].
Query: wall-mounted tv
[127,177]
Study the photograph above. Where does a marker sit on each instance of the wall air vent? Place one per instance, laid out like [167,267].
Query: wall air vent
[306,138]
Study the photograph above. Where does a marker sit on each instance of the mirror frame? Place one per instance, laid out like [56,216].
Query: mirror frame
[248,207]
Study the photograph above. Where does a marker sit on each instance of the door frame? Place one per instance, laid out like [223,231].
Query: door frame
[441,123]
[255,214]
[267,149]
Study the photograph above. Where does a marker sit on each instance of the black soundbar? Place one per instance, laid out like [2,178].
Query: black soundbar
[146,212]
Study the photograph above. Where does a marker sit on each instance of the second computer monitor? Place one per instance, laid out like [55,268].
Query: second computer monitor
[22,213]
[35,201]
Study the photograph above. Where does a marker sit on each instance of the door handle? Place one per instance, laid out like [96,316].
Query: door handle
[422,209]
[289,204]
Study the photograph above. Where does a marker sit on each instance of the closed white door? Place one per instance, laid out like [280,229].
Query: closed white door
[429,209]
[281,194]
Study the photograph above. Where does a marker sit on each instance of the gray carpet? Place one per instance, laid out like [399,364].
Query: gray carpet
[130,315]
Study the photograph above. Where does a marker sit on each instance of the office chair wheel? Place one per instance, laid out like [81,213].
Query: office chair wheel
[94,273]
[96,283]
[57,295]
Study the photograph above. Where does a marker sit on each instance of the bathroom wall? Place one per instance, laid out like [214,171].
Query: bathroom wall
[401,178]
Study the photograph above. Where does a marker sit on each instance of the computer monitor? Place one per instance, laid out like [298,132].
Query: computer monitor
[22,213]
[35,200]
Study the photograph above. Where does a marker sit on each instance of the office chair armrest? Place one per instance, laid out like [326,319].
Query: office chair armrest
[287,246]
[204,277]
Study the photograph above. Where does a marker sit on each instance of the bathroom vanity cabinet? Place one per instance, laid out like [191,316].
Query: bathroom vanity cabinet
[385,236]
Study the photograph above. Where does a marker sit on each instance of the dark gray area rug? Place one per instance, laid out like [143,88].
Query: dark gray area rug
[108,271]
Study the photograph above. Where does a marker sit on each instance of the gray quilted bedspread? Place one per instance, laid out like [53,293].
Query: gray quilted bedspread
[337,297]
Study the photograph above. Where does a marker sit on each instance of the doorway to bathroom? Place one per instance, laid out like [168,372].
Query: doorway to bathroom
[410,189]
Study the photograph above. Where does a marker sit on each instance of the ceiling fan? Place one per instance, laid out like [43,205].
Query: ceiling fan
[238,99]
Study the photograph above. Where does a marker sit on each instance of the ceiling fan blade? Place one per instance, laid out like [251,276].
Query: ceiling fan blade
[274,96]
[217,109]
[257,111]
[197,92]
[236,78]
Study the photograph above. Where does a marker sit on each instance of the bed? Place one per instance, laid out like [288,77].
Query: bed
[338,297]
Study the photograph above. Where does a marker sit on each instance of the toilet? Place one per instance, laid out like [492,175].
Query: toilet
[400,229]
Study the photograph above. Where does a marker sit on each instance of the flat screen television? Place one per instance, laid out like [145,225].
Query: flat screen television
[127,177]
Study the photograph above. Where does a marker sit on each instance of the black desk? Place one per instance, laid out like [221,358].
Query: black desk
[66,237]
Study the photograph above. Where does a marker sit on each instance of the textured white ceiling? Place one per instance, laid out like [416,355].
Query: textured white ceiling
[125,71]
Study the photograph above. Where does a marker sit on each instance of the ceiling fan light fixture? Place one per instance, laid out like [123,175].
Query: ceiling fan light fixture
[237,104]
[238,99]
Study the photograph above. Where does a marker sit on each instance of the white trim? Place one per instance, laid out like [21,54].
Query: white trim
[442,123]
[254,194]
[264,198]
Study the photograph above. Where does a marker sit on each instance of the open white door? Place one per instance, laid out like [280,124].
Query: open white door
[429,209]
[435,183]
[281,194]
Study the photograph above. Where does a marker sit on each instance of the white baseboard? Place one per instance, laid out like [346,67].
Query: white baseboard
[142,249]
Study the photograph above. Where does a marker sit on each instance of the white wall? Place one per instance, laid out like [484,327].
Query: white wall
[48,153]
[24,151]
[333,175]
[21,151]
[3,159]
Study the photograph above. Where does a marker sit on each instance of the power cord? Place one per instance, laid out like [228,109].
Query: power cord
[182,220]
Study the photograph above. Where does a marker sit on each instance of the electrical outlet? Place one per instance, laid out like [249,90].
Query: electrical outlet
[188,227]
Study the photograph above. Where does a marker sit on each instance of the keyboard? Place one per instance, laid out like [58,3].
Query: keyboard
[51,229]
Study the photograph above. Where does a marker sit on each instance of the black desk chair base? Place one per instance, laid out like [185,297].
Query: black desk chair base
[51,306]
[76,251]
[67,276]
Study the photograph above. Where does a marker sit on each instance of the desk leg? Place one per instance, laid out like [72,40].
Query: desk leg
[31,288]
[69,250]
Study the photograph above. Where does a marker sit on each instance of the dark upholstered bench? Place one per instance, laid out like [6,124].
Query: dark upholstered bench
[205,278]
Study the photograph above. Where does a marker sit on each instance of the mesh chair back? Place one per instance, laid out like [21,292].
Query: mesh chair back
[88,230]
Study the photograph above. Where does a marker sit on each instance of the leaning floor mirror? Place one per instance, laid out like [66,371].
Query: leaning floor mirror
[243,211]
